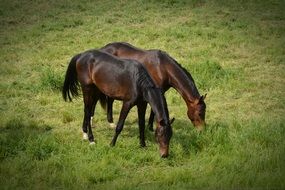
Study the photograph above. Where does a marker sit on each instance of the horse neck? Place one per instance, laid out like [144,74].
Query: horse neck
[183,82]
[157,103]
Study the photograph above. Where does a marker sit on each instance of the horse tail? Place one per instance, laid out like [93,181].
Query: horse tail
[71,84]
[103,101]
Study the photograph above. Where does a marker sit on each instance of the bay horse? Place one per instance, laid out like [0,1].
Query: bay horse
[101,74]
[166,73]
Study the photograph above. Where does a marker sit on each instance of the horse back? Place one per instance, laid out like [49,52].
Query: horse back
[154,60]
[112,76]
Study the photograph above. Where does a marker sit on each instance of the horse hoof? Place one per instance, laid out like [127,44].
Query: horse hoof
[143,145]
[92,143]
[85,136]
[112,125]
[112,144]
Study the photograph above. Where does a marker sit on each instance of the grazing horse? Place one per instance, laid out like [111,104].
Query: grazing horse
[166,73]
[100,74]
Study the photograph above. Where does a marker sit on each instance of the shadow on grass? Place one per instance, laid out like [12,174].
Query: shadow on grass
[192,141]
[186,139]
[186,136]
[20,136]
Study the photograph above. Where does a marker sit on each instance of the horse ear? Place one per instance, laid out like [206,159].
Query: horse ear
[202,98]
[172,120]
[161,122]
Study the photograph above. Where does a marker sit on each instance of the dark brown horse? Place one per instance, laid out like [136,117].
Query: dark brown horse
[166,73]
[101,74]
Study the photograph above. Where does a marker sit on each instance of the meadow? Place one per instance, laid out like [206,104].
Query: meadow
[235,51]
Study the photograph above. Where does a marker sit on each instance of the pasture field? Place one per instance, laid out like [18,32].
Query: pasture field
[235,51]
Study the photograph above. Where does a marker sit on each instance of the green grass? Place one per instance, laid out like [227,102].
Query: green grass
[235,51]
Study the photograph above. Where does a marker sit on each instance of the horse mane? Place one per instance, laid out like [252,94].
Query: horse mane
[144,79]
[151,93]
[185,71]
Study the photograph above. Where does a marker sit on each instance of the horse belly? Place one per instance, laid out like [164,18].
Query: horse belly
[115,86]
[116,92]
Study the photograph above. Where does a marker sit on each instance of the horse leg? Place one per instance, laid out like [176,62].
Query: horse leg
[110,111]
[92,114]
[90,101]
[123,114]
[150,120]
[141,115]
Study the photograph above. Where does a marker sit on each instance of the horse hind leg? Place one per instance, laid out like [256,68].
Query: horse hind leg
[110,112]
[85,135]
[92,113]
[90,100]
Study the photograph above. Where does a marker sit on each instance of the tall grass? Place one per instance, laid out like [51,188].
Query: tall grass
[234,51]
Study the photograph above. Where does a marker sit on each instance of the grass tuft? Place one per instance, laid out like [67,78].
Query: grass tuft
[51,79]
[210,74]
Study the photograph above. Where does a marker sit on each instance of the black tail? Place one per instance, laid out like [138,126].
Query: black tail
[71,84]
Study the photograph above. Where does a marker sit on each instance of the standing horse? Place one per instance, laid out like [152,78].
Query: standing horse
[101,74]
[166,73]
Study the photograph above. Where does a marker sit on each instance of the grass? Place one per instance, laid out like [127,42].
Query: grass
[234,51]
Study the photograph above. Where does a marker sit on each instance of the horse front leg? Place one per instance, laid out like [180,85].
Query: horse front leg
[123,115]
[141,115]
[110,112]
[150,120]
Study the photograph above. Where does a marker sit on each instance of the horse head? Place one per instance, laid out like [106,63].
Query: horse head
[163,134]
[197,112]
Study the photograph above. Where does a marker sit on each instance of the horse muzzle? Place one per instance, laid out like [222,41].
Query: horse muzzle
[164,151]
[200,126]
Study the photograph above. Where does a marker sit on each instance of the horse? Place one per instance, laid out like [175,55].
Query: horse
[166,73]
[101,74]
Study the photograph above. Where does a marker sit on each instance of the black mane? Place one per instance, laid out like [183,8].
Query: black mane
[144,79]
[188,75]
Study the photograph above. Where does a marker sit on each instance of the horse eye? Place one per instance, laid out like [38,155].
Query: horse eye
[202,115]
